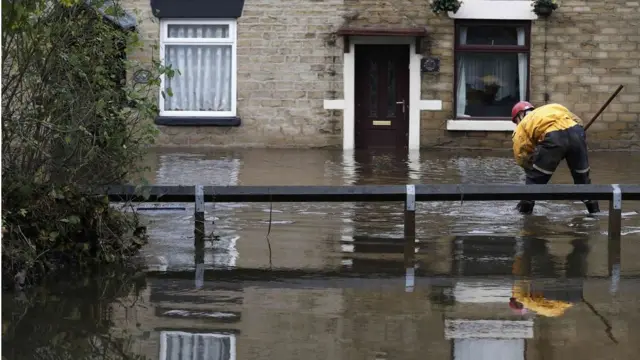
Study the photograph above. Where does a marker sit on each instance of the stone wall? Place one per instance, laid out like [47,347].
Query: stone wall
[289,61]
[592,48]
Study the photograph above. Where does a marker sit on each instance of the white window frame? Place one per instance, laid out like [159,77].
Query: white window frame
[495,10]
[232,39]
[164,337]
[498,124]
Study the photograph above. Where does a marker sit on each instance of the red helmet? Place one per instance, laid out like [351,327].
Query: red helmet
[520,107]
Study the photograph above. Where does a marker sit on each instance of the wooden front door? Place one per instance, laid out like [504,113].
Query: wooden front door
[382,96]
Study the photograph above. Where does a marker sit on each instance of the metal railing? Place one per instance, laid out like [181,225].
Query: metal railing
[409,194]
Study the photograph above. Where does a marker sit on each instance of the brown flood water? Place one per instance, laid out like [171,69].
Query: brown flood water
[332,280]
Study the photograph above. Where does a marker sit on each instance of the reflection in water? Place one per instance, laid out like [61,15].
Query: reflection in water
[345,284]
[179,345]
[72,320]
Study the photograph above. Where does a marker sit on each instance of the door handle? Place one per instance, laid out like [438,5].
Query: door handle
[401,102]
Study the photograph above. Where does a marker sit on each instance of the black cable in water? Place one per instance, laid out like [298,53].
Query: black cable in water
[212,236]
[606,323]
[269,229]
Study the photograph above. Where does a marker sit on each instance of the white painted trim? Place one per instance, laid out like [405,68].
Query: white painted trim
[430,105]
[348,167]
[349,177]
[348,104]
[231,40]
[493,329]
[348,114]
[334,104]
[415,79]
[495,10]
[474,348]
[415,167]
[485,291]
[480,125]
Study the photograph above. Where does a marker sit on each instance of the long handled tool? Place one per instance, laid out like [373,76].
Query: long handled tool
[603,107]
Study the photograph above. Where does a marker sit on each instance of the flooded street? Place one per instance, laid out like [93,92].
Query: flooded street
[336,281]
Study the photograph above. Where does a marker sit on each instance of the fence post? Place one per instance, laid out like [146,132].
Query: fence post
[199,233]
[410,214]
[199,211]
[615,228]
[410,237]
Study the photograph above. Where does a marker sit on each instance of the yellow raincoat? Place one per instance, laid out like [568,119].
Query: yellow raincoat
[536,125]
[535,301]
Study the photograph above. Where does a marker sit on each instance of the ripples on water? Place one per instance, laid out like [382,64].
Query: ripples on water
[332,282]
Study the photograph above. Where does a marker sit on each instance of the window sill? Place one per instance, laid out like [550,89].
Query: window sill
[495,10]
[480,125]
[227,121]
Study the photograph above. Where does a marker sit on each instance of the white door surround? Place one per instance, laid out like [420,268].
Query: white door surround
[347,105]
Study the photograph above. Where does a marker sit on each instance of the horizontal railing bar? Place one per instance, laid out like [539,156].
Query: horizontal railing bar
[212,285]
[280,275]
[369,193]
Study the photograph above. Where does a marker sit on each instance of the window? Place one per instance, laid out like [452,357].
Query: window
[178,345]
[491,68]
[481,349]
[204,52]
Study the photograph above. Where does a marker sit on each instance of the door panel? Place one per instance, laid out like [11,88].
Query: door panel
[382,96]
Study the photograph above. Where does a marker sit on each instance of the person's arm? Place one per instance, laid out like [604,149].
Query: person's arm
[523,146]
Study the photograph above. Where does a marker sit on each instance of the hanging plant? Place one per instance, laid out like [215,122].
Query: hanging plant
[440,6]
[544,8]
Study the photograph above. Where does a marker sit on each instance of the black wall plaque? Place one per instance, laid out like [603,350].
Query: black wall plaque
[430,65]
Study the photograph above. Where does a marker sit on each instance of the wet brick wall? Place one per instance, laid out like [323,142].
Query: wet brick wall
[289,61]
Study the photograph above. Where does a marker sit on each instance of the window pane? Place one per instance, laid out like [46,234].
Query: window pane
[204,82]
[491,35]
[198,31]
[373,88]
[391,89]
[181,346]
[489,84]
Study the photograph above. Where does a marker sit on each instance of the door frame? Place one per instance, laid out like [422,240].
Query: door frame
[349,75]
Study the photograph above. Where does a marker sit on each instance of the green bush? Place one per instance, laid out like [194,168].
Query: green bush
[69,125]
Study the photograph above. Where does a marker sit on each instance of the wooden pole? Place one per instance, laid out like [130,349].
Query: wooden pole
[603,107]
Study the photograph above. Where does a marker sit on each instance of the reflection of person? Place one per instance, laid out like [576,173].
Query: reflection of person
[549,299]
[543,137]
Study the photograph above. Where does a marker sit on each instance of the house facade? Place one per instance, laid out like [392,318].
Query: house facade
[366,73]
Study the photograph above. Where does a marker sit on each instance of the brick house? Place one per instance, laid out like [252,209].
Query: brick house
[360,73]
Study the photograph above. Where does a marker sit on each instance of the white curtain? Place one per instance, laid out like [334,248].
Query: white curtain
[522,67]
[204,82]
[185,346]
[475,69]
[461,101]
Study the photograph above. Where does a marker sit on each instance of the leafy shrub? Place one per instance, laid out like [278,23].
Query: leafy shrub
[69,125]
